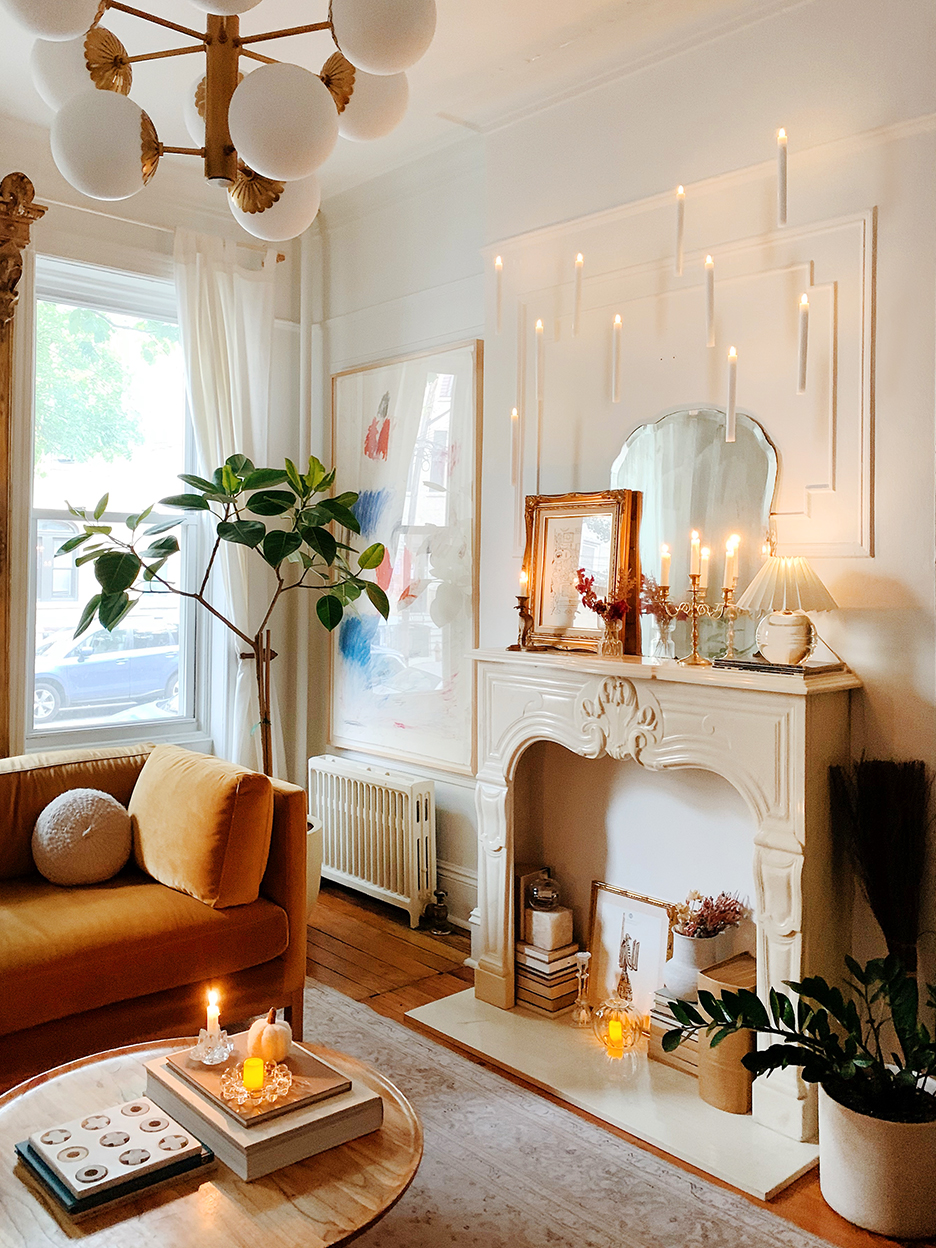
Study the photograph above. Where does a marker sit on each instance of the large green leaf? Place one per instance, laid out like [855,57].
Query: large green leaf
[378,598]
[162,548]
[194,502]
[162,527]
[329,611]
[295,480]
[244,532]
[373,557]
[263,478]
[73,543]
[230,482]
[278,544]
[116,570]
[271,502]
[321,541]
[199,482]
[240,465]
[348,499]
[340,513]
[87,614]
[134,522]
[113,608]
[315,476]
[101,506]
[154,568]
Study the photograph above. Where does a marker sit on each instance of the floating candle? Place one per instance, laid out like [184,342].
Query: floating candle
[781,176]
[577,296]
[730,417]
[709,301]
[499,290]
[803,344]
[617,330]
[680,227]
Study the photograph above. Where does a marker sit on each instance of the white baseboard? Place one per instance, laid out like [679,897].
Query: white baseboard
[461,884]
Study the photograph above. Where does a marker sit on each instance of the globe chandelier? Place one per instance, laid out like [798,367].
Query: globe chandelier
[262,135]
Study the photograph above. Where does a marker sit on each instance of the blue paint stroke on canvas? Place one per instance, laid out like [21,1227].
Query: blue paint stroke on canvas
[369,509]
[355,638]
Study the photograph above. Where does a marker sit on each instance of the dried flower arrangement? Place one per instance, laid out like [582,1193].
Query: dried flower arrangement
[700,916]
[654,602]
[607,608]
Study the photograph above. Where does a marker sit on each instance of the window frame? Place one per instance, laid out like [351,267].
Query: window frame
[111,290]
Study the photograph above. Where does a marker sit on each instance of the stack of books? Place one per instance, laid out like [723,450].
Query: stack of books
[546,978]
[686,1057]
[322,1109]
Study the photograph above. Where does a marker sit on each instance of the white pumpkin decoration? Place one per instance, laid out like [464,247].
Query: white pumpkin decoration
[269,1039]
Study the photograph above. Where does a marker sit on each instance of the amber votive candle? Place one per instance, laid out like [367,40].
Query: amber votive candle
[253,1073]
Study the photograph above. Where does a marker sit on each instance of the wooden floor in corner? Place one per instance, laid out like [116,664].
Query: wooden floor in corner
[368,951]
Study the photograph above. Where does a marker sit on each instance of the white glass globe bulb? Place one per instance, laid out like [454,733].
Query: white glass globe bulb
[53,19]
[383,36]
[104,145]
[377,105]
[194,122]
[226,8]
[283,121]
[62,68]
[293,212]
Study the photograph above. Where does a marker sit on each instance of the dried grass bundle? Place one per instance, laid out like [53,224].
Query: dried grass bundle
[880,814]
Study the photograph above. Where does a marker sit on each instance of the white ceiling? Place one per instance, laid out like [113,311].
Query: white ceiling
[491,61]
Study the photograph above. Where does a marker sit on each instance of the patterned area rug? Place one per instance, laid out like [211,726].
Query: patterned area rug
[505,1168]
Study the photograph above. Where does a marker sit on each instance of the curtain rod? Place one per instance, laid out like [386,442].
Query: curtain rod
[147,225]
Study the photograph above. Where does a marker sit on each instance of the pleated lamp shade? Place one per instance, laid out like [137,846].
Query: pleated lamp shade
[786,583]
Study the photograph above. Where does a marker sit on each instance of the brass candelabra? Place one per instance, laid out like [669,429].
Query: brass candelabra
[693,610]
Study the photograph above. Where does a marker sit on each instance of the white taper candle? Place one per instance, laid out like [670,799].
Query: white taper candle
[577,294]
[803,345]
[730,417]
[514,446]
[499,291]
[705,555]
[665,557]
[540,362]
[709,301]
[695,553]
[617,330]
[781,176]
[680,227]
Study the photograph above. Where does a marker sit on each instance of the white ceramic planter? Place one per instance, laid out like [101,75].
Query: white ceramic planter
[692,954]
[879,1175]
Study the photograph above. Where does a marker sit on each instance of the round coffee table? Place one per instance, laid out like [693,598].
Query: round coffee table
[328,1199]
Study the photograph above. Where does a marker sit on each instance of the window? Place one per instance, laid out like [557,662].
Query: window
[110,418]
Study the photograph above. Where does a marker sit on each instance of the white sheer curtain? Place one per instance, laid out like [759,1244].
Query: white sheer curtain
[226,321]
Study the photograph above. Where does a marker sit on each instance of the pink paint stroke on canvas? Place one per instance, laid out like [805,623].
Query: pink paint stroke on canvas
[377,438]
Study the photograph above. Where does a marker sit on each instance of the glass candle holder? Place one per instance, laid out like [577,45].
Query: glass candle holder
[617,1025]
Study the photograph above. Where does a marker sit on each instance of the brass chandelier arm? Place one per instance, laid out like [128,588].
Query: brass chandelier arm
[158,21]
[158,56]
[284,34]
[258,56]
[181,151]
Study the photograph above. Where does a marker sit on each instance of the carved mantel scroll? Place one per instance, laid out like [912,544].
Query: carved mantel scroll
[753,731]
[18,213]
[619,720]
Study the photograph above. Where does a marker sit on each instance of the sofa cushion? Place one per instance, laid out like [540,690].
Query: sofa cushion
[28,783]
[82,837]
[63,951]
[202,825]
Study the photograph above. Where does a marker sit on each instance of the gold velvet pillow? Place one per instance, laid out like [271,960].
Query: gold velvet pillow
[202,825]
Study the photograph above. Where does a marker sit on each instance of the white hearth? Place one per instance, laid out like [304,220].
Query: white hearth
[773,738]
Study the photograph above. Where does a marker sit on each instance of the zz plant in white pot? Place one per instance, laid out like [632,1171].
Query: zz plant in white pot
[877,1104]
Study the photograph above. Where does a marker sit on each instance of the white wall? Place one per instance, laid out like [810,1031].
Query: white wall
[851,80]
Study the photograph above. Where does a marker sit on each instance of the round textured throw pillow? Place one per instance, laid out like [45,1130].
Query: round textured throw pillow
[82,837]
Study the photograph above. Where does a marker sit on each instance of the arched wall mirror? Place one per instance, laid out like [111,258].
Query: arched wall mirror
[691,478]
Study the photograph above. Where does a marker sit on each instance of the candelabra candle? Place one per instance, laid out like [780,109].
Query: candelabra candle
[709,301]
[577,295]
[665,558]
[617,330]
[781,177]
[803,344]
[680,227]
[703,567]
[498,292]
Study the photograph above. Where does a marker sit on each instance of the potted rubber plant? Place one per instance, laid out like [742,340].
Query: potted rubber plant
[874,1059]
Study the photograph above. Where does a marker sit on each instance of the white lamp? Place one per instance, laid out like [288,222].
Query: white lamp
[785,588]
[104,144]
[383,36]
[291,213]
[376,107]
[54,19]
[283,121]
[63,67]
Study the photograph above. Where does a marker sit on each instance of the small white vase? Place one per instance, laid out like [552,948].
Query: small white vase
[692,954]
[879,1175]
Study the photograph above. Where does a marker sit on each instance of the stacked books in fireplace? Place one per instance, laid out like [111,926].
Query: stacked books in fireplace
[546,978]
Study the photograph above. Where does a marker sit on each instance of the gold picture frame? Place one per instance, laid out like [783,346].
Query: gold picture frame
[564,532]
[632,932]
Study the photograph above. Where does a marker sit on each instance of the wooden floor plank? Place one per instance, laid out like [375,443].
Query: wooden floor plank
[381,944]
[454,948]
[331,979]
[325,949]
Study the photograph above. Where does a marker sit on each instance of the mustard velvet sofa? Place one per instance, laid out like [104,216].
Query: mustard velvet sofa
[102,965]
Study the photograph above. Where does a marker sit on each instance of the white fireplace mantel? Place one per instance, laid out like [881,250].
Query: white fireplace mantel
[771,736]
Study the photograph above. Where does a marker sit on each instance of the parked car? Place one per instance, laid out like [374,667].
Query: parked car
[127,665]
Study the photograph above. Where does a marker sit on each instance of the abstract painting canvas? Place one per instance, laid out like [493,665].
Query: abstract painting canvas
[405,431]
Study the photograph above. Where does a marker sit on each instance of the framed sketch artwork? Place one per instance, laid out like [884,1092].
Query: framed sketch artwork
[628,935]
[596,532]
[405,432]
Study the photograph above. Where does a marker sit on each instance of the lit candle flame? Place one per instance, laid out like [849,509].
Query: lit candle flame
[732,353]
[539,327]
[617,319]
[804,302]
[498,262]
[781,135]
